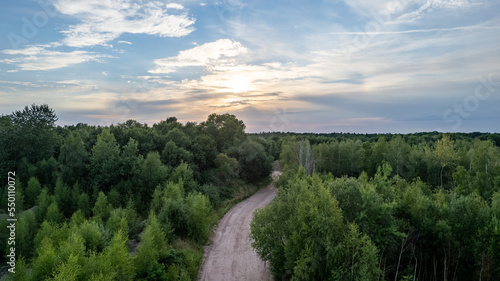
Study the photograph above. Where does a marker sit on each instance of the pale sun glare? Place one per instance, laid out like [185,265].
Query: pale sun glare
[236,84]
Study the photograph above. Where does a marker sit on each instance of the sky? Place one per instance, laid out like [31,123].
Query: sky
[359,66]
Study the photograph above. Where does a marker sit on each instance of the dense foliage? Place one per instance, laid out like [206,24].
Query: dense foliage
[392,207]
[124,202]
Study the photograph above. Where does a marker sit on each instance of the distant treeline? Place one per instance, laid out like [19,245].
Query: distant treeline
[413,138]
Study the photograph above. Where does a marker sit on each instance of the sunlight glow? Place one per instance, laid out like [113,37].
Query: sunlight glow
[237,84]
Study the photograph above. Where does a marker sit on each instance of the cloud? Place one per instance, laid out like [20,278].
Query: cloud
[28,51]
[40,58]
[407,10]
[54,87]
[175,6]
[458,28]
[105,20]
[428,6]
[203,55]
[20,83]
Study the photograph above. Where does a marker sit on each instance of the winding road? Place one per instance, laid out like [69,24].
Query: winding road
[231,256]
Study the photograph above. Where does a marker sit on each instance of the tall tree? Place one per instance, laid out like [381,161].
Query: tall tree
[226,129]
[255,163]
[120,260]
[397,155]
[73,159]
[445,154]
[36,137]
[105,161]
[152,173]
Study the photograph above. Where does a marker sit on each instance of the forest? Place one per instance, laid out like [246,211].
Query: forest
[122,202]
[420,206]
[137,202]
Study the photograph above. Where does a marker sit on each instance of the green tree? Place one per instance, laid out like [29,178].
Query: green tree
[289,153]
[10,154]
[77,218]
[226,129]
[495,204]
[121,262]
[153,173]
[46,230]
[117,221]
[36,138]
[157,200]
[45,263]
[68,271]
[22,272]
[65,198]
[347,192]
[32,191]
[173,155]
[102,208]
[199,218]
[46,171]
[129,161]
[42,201]
[356,258]
[133,219]
[298,231]
[19,194]
[445,154]
[98,268]
[92,236]
[178,137]
[152,247]
[397,155]
[105,161]
[487,250]
[35,117]
[227,170]
[327,157]
[377,157]
[84,204]
[484,166]
[185,174]
[53,214]
[254,162]
[204,150]
[73,246]
[377,219]
[353,153]
[175,215]
[467,215]
[73,159]
[25,233]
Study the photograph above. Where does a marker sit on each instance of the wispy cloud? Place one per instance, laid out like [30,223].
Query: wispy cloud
[40,58]
[428,5]
[105,20]
[64,85]
[458,28]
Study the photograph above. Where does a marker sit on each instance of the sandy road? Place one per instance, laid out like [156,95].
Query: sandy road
[231,256]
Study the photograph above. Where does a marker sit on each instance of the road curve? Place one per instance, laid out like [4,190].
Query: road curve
[231,256]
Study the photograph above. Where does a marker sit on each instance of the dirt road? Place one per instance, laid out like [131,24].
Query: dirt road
[231,256]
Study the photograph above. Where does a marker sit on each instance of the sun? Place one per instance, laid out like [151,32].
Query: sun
[237,84]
